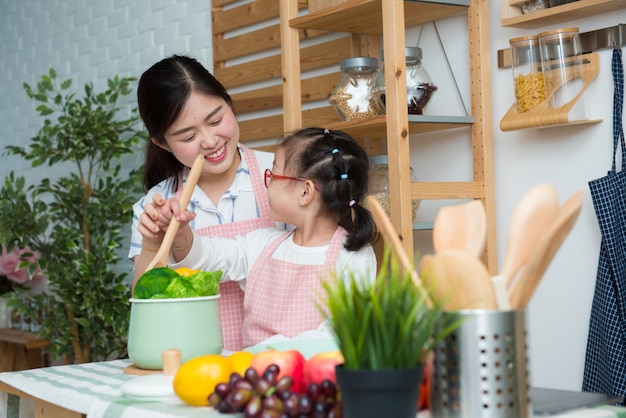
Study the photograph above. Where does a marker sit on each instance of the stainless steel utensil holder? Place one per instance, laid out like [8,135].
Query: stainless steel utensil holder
[481,369]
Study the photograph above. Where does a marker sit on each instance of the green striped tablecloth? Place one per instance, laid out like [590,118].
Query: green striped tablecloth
[93,389]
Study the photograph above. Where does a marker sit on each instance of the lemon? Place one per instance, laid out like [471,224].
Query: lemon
[241,361]
[197,377]
[185,271]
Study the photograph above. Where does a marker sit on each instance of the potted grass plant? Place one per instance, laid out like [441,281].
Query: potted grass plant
[385,331]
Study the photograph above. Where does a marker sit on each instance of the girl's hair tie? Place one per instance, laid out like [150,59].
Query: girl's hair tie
[326,132]
[344,176]
[352,202]
[334,151]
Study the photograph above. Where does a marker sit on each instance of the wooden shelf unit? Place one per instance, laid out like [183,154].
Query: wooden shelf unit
[367,20]
[366,16]
[278,45]
[512,15]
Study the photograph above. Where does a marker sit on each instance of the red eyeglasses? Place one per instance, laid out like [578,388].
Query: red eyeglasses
[269,176]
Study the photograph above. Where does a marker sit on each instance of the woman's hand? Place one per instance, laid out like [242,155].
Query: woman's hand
[152,220]
[157,216]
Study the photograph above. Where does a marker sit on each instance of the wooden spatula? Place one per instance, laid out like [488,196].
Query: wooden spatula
[457,280]
[462,227]
[532,215]
[522,289]
[161,257]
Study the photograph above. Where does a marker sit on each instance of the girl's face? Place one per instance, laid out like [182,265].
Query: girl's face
[283,194]
[207,126]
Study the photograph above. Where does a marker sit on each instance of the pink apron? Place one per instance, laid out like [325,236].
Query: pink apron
[282,297]
[230,302]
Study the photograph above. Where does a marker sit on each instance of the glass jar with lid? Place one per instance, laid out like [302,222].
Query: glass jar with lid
[562,66]
[379,183]
[530,88]
[352,96]
[534,6]
[419,85]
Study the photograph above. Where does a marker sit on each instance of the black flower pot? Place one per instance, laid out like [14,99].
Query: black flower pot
[379,393]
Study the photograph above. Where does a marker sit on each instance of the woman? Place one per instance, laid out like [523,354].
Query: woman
[188,112]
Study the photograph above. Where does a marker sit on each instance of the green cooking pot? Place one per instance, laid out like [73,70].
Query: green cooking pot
[191,325]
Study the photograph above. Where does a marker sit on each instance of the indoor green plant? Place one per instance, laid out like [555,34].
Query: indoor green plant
[384,331]
[75,221]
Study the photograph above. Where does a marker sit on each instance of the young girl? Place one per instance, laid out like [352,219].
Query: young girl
[317,181]
[188,112]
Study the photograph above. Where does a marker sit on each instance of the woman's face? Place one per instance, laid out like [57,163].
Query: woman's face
[207,126]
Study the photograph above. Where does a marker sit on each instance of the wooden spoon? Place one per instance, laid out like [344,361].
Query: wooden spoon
[522,289]
[390,235]
[457,280]
[462,227]
[161,257]
[533,214]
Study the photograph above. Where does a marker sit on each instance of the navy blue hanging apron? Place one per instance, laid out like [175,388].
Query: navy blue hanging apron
[605,361]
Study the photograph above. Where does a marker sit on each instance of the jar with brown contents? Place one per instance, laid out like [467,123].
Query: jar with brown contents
[352,97]
[419,86]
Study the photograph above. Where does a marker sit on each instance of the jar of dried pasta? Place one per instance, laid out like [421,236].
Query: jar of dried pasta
[528,79]
[352,96]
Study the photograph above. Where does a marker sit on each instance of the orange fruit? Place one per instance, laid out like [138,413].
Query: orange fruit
[185,271]
[197,377]
[241,361]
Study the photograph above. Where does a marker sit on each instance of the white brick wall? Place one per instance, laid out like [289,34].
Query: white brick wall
[88,41]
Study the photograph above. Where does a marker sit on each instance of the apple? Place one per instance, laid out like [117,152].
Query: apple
[424,390]
[290,362]
[321,366]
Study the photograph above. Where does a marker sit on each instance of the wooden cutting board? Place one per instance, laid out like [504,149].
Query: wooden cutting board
[134,370]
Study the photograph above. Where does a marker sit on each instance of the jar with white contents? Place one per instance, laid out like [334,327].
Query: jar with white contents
[352,96]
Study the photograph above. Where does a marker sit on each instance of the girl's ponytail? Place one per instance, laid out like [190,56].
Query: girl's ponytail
[340,166]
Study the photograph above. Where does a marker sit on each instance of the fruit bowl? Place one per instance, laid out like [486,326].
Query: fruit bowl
[191,325]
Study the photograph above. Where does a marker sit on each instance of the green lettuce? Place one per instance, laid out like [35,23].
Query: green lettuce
[165,283]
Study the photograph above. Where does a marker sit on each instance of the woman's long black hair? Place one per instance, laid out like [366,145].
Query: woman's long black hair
[163,91]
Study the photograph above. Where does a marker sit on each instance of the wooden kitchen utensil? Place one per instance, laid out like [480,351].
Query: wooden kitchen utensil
[533,214]
[462,227]
[457,280]
[523,288]
[386,228]
[161,257]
